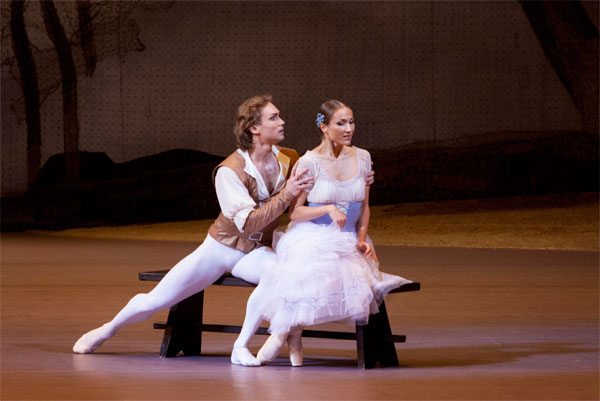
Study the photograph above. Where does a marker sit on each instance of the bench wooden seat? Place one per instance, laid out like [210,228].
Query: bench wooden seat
[184,326]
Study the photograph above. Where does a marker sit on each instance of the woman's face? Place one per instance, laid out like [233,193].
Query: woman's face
[341,127]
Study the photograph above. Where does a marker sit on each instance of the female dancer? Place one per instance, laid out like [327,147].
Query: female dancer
[327,268]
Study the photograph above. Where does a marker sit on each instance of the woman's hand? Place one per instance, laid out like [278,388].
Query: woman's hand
[337,217]
[366,249]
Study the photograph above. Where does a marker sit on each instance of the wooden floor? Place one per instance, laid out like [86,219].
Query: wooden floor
[487,324]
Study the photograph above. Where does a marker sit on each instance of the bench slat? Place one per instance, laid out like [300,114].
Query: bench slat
[335,335]
[414,286]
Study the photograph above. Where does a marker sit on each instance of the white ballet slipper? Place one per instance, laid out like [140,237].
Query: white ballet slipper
[271,348]
[243,356]
[294,342]
[91,340]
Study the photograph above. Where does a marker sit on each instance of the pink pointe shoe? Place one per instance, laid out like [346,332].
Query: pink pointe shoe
[294,341]
[271,348]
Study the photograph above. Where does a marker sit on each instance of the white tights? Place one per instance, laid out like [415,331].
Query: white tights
[266,258]
[191,275]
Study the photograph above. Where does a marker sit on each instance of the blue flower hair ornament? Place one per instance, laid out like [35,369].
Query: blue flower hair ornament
[320,119]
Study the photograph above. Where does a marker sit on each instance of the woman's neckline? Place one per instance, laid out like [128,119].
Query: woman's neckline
[347,154]
[344,153]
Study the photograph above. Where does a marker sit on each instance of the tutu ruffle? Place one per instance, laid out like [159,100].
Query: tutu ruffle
[322,277]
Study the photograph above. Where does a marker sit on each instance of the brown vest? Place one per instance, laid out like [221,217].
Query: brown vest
[226,232]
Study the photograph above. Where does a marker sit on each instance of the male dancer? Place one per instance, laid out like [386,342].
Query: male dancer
[253,193]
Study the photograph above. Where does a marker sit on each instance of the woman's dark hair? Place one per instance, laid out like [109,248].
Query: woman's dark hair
[328,109]
[248,114]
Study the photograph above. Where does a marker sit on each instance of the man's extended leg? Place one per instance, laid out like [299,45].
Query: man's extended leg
[192,274]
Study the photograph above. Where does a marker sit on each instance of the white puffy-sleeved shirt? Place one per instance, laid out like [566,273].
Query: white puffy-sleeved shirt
[234,199]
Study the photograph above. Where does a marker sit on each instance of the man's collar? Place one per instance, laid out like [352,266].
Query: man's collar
[251,169]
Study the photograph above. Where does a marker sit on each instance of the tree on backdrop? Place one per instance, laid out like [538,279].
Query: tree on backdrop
[52,43]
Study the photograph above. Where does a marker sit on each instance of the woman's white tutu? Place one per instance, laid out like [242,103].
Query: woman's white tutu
[322,277]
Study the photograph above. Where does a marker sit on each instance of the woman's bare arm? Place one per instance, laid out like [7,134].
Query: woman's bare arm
[300,212]
[362,226]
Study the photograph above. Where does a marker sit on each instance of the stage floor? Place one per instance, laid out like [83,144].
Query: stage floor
[487,324]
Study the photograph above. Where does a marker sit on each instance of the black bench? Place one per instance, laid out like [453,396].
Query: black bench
[184,327]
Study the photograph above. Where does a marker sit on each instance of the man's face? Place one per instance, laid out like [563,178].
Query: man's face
[271,125]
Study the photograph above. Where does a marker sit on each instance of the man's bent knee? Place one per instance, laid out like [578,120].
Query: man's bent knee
[253,265]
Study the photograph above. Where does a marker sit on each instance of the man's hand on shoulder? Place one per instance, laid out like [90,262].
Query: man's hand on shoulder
[370,176]
[296,183]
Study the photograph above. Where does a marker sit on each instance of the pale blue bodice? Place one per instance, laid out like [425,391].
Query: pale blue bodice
[347,195]
[350,209]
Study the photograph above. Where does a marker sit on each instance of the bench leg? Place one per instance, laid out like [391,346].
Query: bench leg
[374,342]
[183,331]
